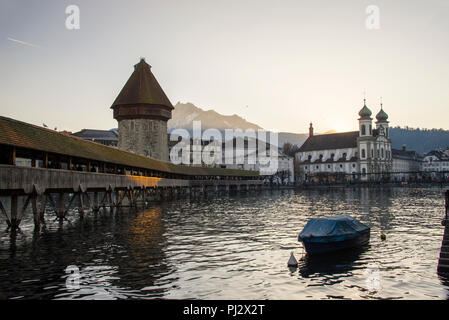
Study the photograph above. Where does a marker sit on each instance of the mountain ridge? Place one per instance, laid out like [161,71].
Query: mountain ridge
[419,140]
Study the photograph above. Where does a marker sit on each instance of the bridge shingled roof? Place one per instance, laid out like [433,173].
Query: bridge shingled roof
[28,136]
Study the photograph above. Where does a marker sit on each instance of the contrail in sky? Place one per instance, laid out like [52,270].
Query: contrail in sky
[24,43]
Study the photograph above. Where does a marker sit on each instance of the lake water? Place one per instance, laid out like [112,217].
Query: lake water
[232,247]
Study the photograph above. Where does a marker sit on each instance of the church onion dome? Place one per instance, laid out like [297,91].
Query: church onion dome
[382,115]
[365,112]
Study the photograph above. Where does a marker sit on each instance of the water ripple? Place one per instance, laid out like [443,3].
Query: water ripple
[232,247]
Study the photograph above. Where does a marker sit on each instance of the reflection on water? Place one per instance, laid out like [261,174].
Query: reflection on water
[232,247]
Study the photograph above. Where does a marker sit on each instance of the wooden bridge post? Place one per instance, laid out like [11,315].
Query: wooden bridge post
[446,204]
[61,205]
[95,207]
[80,204]
[36,217]
[42,211]
[14,219]
[110,199]
[118,200]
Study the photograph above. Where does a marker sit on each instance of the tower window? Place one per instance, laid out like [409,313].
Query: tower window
[363,130]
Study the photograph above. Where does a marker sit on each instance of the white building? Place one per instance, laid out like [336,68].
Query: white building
[245,154]
[436,165]
[348,156]
[278,170]
[406,165]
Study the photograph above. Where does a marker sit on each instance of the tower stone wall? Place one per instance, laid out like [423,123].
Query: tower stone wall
[146,137]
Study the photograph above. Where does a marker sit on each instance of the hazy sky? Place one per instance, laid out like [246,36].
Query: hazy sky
[290,62]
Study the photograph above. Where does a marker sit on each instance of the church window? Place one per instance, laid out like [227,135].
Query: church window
[382,153]
[363,130]
[363,153]
[344,155]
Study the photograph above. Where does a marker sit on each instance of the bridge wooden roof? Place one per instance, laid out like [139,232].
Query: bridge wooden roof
[28,136]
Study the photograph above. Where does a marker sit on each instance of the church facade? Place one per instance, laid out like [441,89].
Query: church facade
[363,155]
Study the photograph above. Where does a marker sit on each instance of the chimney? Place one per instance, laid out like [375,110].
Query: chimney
[311,130]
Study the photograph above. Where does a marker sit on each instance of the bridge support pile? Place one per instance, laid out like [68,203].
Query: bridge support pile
[443,262]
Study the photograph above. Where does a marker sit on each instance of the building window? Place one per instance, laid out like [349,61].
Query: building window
[341,166]
[364,171]
[328,166]
[344,155]
[363,130]
[353,165]
[370,130]
[310,157]
[372,153]
[382,153]
[363,154]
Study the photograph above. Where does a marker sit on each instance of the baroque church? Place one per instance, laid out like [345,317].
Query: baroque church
[363,155]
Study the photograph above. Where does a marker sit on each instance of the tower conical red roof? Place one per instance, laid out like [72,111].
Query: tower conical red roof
[142,88]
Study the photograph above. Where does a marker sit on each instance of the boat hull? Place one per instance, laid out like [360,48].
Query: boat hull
[317,247]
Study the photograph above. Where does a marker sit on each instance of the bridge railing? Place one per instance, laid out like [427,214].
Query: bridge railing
[23,180]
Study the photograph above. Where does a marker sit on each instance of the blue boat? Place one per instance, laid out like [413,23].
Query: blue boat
[327,234]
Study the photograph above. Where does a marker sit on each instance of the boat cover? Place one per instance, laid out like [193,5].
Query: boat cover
[333,228]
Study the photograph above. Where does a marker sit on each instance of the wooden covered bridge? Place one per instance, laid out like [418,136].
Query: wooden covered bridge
[54,170]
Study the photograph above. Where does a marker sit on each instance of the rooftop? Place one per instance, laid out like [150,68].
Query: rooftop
[341,140]
[142,88]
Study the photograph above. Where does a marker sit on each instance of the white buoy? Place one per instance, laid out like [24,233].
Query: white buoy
[292,261]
